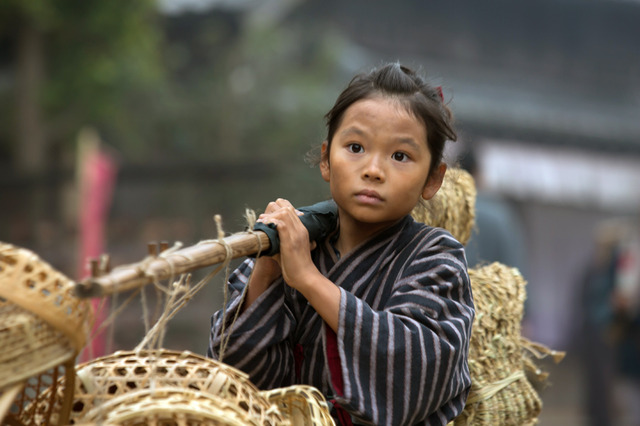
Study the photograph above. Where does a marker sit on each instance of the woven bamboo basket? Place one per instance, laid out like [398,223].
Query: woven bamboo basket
[501,393]
[43,327]
[453,207]
[179,388]
[301,405]
[298,405]
[172,406]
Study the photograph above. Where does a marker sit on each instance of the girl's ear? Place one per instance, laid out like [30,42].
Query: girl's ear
[434,182]
[324,161]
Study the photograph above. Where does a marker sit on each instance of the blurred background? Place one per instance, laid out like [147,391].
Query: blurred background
[125,122]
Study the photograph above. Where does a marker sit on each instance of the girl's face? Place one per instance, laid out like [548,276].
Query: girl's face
[378,164]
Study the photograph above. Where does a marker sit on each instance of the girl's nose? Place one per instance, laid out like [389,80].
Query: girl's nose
[373,170]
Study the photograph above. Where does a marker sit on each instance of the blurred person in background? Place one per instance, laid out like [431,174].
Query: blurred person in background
[625,324]
[610,326]
[595,348]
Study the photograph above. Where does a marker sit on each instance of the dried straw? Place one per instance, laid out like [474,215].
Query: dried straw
[453,206]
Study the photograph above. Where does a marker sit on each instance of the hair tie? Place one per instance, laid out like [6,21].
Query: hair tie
[439,90]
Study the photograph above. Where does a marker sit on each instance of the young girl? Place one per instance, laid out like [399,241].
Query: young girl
[377,316]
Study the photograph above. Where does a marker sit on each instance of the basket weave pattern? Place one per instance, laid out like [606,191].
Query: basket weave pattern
[43,327]
[301,405]
[45,399]
[173,406]
[29,282]
[181,388]
[124,372]
[29,345]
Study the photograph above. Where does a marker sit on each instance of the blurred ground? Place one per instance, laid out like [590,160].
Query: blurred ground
[562,398]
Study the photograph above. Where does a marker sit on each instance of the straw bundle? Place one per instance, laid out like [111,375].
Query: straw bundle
[42,329]
[500,393]
[453,206]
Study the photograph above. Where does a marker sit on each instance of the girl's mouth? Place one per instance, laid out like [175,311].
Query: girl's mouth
[369,197]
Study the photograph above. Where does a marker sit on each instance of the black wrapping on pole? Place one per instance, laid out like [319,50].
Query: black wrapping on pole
[320,220]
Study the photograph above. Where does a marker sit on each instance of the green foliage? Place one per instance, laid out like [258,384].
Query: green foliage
[105,57]
[194,86]
[13,13]
[100,57]
[264,95]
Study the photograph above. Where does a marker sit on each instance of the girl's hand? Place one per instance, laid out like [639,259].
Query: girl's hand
[295,249]
[298,270]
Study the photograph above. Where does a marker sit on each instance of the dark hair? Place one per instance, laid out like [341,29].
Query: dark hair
[418,97]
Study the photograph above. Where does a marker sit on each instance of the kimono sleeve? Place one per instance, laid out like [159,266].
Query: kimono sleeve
[258,342]
[407,363]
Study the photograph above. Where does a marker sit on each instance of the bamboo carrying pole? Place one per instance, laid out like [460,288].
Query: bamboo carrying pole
[319,219]
[173,263]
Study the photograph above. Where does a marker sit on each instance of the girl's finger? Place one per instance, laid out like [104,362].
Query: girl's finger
[284,203]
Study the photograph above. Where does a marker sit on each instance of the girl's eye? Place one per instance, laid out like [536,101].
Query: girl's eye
[355,148]
[400,156]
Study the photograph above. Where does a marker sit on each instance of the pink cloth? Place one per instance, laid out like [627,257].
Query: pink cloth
[97,182]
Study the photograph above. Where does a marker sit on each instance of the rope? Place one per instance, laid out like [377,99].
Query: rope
[142,270]
[112,330]
[223,342]
[540,351]
[181,292]
[490,390]
[250,216]
[107,322]
[145,310]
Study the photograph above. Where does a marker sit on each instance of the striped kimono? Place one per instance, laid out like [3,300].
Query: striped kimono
[400,353]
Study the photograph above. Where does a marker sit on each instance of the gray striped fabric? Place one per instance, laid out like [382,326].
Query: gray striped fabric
[404,328]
